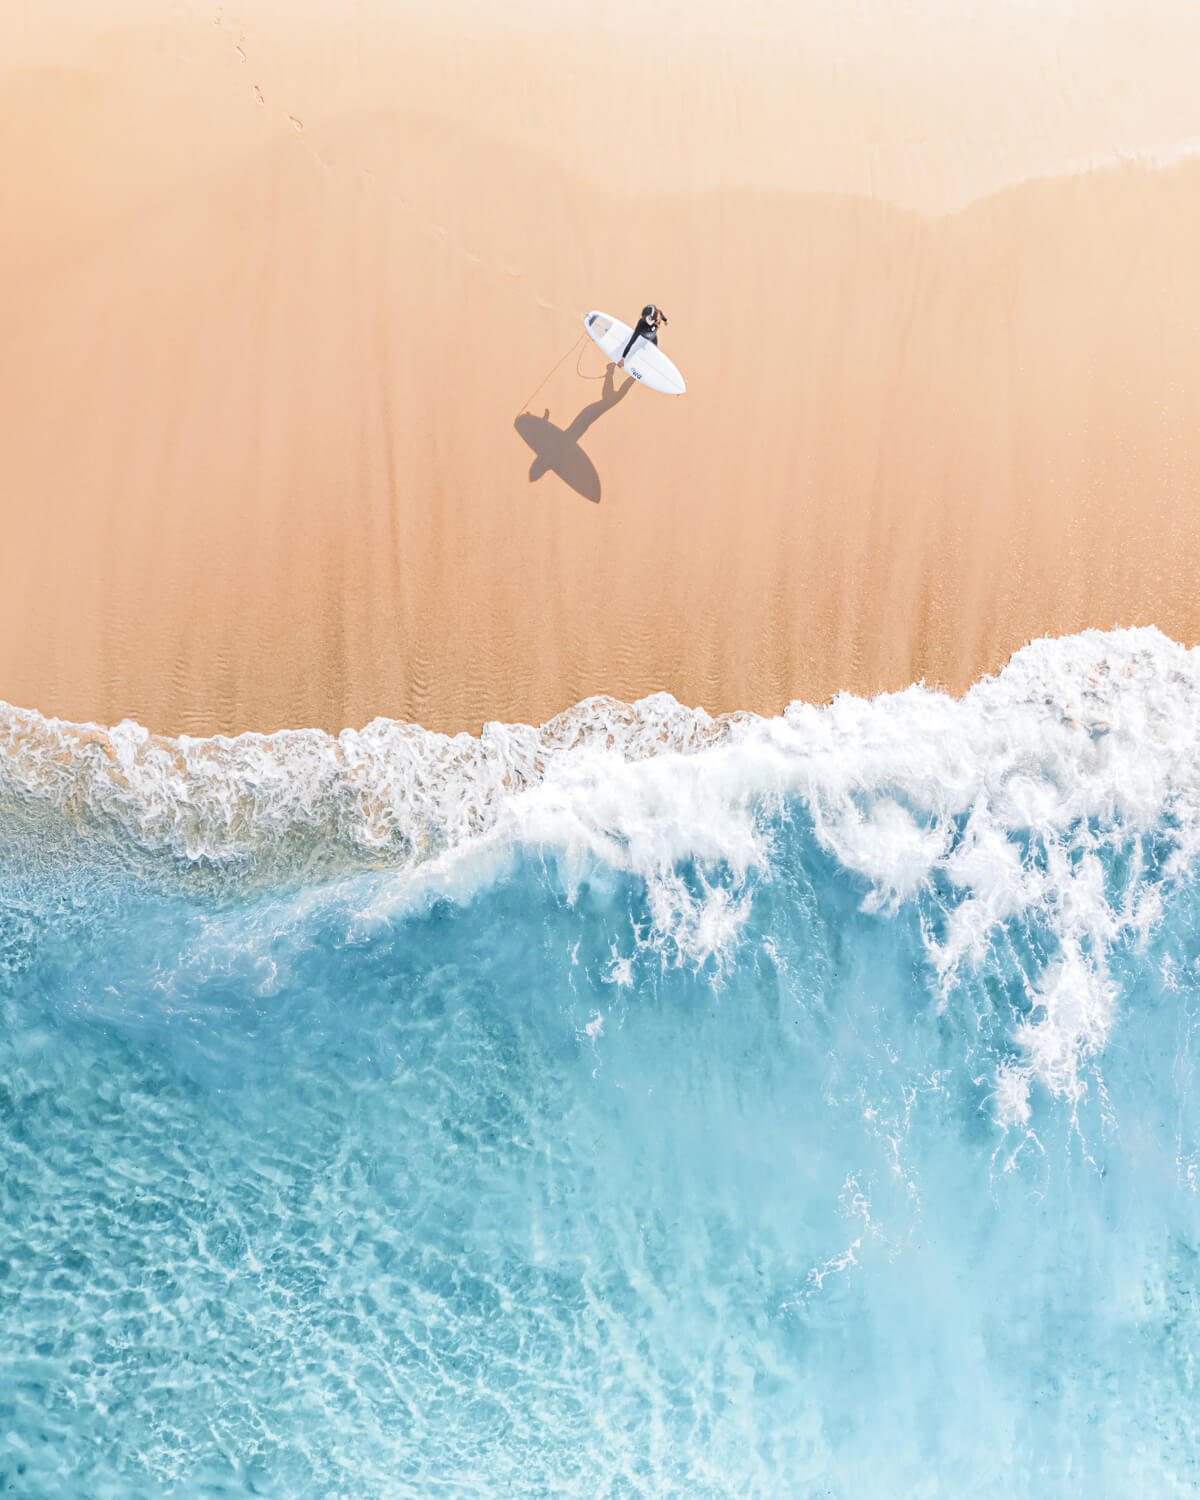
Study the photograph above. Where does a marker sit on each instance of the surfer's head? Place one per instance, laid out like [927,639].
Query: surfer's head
[649,310]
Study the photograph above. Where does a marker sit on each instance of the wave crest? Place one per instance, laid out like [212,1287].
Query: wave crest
[1061,796]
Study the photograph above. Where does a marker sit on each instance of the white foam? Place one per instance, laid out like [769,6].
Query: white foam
[1006,800]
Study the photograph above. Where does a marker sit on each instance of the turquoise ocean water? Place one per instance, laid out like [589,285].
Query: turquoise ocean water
[639,1106]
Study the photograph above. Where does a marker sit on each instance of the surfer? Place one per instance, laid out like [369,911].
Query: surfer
[647,328]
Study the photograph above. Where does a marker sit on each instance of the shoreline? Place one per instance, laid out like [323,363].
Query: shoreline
[260,809]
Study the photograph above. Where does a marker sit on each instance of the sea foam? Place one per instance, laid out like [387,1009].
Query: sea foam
[1017,801]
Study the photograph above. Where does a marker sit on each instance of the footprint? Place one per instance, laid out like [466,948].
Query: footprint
[258,94]
[295,124]
[241,54]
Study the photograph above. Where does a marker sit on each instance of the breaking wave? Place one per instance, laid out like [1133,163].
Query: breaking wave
[1065,790]
[645,1104]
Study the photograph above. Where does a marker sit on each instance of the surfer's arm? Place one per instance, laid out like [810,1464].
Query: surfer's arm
[633,338]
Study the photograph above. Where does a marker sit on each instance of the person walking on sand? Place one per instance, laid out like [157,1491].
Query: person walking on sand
[647,328]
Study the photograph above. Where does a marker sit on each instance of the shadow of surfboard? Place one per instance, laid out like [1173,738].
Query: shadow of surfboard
[556,449]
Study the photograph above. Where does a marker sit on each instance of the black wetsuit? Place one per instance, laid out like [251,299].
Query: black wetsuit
[645,330]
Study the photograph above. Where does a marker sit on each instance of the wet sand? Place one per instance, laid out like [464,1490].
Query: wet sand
[298,426]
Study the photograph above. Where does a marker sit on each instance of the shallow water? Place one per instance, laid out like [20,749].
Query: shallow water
[781,1108]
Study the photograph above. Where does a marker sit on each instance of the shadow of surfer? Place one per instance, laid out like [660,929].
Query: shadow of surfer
[557,449]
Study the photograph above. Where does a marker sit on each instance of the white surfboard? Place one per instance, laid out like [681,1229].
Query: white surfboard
[646,361]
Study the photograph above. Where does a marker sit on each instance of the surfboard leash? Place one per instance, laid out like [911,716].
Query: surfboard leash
[580,373]
[525,404]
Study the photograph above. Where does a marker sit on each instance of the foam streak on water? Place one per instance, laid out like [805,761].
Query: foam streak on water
[641,1105]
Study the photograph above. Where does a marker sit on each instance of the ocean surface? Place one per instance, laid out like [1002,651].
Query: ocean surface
[643,1105]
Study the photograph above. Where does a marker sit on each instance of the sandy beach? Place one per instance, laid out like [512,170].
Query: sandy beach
[290,313]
